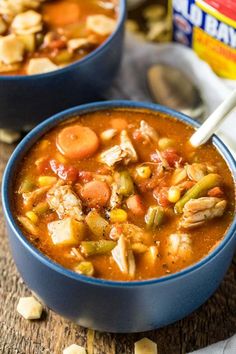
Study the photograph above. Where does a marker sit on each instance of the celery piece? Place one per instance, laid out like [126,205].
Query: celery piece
[26,186]
[63,57]
[85,268]
[154,217]
[28,225]
[126,185]
[199,189]
[96,223]
[41,208]
[90,248]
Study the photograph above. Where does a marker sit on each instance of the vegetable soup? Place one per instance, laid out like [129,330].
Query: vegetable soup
[120,194]
[39,36]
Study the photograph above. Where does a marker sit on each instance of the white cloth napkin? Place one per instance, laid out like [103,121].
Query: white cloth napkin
[131,83]
[224,347]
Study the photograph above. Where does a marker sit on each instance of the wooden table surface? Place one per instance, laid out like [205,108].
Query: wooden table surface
[214,321]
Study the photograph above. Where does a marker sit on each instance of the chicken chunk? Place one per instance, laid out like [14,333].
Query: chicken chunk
[116,198]
[31,197]
[149,133]
[127,147]
[64,201]
[66,232]
[179,246]
[197,211]
[196,171]
[123,257]
[113,155]
[124,152]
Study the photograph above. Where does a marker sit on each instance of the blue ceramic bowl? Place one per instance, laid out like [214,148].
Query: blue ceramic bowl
[108,305]
[27,100]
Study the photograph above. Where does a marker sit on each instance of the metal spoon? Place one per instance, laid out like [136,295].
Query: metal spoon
[172,88]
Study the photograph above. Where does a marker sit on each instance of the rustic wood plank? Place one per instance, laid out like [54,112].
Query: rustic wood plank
[214,321]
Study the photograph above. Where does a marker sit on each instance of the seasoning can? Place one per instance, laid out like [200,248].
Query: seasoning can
[209,28]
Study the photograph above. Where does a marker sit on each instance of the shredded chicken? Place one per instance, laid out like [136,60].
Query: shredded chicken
[123,257]
[149,134]
[31,197]
[116,198]
[179,246]
[124,152]
[127,147]
[196,171]
[113,155]
[198,211]
[64,201]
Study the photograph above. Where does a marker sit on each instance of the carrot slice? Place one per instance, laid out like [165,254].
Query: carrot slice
[96,193]
[119,124]
[77,142]
[135,205]
[61,13]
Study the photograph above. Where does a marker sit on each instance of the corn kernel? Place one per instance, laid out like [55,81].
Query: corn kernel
[174,194]
[144,172]
[118,215]
[32,216]
[45,181]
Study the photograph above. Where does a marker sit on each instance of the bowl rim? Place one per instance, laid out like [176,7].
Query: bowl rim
[35,134]
[90,56]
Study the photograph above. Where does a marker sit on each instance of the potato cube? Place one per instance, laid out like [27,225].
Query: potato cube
[66,232]
[40,66]
[74,349]
[29,308]
[11,49]
[145,346]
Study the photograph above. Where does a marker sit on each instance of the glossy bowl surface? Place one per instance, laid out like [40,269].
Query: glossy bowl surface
[103,304]
[27,100]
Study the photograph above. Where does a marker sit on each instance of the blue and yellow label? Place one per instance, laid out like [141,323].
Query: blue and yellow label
[211,34]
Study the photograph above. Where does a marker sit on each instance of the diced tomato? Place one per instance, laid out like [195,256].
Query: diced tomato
[216,192]
[85,176]
[161,196]
[135,205]
[67,173]
[186,185]
[172,157]
[57,44]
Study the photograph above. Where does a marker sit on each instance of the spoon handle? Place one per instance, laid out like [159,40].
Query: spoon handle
[211,124]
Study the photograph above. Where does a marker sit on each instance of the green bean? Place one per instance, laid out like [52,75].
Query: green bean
[90,248]
[41,208]
[85,268]
[63,57]
[199,189]
[28,225]
[97,224]
[26,186]
[126,185]
[154,217]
